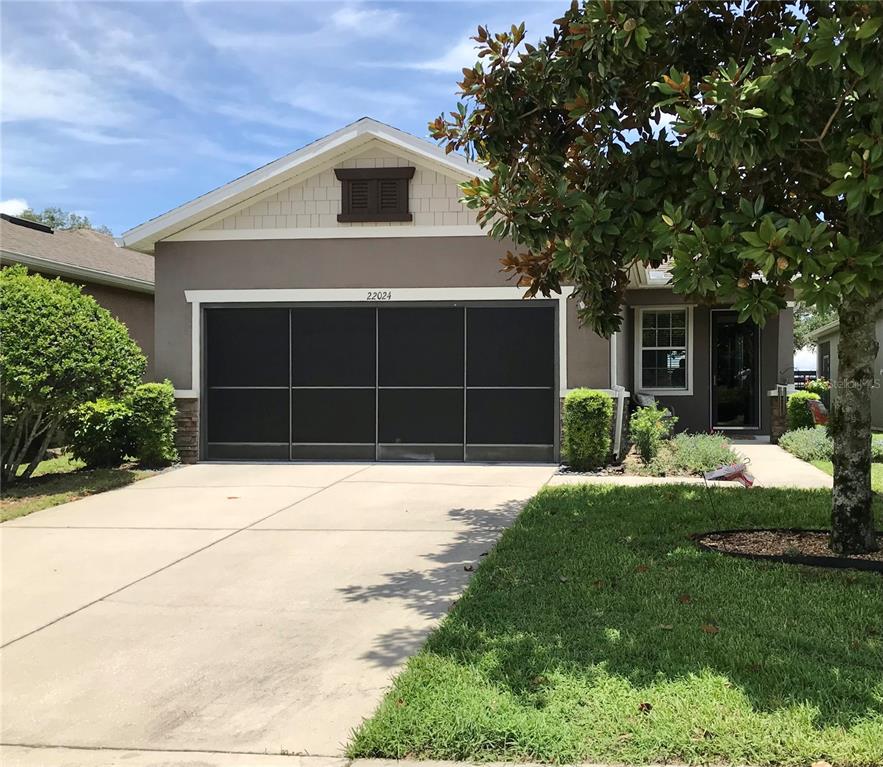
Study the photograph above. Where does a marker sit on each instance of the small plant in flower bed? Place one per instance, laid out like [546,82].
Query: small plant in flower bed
[687,454]
[649,427]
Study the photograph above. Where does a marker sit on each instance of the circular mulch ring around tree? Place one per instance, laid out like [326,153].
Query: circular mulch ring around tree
[789,545]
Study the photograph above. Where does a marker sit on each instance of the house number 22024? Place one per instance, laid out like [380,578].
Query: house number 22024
[380,295]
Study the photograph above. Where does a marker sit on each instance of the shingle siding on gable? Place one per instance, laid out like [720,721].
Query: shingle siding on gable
[315,202]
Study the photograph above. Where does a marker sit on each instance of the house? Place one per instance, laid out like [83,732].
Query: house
[826,338]
[120,280]
[342,303]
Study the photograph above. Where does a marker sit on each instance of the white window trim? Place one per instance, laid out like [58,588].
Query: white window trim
[196,298]
[638,378]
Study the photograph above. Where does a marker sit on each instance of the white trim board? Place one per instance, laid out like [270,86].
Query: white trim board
[326,233]
[198,298]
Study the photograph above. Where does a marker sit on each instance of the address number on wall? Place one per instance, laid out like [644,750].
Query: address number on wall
[380,295]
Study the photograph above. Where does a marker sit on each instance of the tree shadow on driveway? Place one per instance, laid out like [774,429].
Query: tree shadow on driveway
[432,590]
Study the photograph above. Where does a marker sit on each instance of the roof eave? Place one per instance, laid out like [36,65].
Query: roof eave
[74,272]
[144,236]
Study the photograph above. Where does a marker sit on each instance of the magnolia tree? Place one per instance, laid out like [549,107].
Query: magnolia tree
[741,141]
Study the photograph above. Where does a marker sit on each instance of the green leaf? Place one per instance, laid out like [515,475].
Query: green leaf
[869,28]
[854,60]
[838,169]
[755,112]
[837,188]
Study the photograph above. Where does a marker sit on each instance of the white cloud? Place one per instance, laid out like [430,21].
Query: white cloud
[365,21]
[57,95]
[462,54]
[14,206]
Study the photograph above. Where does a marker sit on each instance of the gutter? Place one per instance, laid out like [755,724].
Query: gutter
[70,271]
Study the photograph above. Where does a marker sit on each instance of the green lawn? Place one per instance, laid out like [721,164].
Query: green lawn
[876,473]
[597,631]
[60,480]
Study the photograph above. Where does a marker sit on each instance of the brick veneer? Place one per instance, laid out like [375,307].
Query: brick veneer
[187,435]
[778,417]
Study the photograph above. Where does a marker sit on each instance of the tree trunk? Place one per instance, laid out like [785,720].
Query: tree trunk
[852,522]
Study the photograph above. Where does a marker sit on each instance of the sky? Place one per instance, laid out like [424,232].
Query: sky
[122,111]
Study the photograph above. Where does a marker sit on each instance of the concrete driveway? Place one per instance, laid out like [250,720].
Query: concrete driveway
[236,608]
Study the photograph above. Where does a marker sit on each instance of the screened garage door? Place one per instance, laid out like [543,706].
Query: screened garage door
[446,383]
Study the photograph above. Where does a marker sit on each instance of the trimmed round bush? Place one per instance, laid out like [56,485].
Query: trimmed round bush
[799,414]
[100,433]
[588,425]
[59,349]
[648,427]
[153,424]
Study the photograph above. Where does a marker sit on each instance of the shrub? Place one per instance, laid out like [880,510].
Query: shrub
[588,423]
[59,350]
[648,427]
[811,444]
[815,444]
[153,424]
[799,415]
[694,454]
[818,386]
[100,432]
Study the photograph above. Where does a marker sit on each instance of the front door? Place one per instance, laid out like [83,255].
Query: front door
[735,359]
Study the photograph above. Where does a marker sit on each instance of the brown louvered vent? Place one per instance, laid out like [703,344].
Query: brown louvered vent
[374,194]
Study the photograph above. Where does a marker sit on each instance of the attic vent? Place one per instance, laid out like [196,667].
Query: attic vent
[374,194]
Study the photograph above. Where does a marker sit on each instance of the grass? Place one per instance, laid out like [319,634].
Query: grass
[876,473]
[59,480]
[596,631]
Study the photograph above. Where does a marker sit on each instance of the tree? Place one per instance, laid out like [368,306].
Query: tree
[742,141]
[58,349]
[806,320]
[56,218]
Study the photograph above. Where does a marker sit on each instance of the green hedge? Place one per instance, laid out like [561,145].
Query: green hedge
[100,432]
[105,432]
[799,414]
[153,424]
[588,425]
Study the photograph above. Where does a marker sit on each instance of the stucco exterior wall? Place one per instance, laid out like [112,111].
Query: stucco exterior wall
[433,199]
[395,262]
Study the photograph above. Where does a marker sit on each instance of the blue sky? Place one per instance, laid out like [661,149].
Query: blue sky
[121,111]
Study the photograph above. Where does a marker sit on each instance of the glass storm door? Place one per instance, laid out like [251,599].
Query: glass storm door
[735,358]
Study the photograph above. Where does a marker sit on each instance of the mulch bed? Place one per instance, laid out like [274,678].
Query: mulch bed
[806,547]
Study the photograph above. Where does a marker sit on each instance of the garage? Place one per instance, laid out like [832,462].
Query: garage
[437,382]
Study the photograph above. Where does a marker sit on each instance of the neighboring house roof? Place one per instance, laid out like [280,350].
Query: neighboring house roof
[75,254]
[288,169]
[825,330]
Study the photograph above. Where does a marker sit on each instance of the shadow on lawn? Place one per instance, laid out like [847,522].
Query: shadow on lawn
[605,582]
[432,590]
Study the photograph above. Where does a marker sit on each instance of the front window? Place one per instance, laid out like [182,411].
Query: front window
[664,337]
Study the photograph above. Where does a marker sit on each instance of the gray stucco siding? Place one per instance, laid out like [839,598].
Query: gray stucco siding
[394,262]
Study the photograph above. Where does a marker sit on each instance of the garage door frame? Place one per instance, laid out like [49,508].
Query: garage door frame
[352,297]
